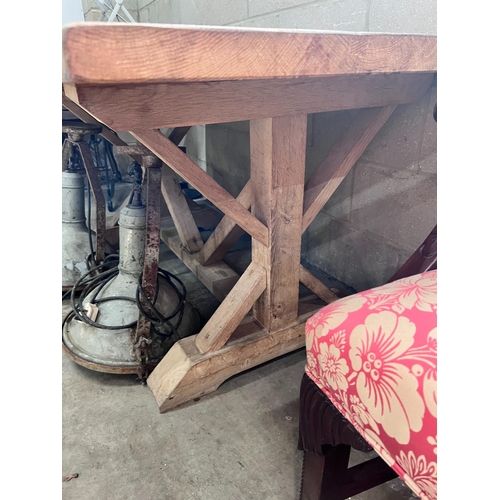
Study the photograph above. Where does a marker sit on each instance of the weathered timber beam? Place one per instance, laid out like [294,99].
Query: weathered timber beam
[179,210]
[200,180]
[227,233]
[153,53]
[185,373]
[277,165]
[233,309]
[219,278]
[157,105]
[342,157]
[316,286]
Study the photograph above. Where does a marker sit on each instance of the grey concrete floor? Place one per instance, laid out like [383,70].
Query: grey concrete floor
[239,442]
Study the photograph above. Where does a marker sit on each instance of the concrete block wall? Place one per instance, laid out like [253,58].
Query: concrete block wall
[383,209]
[92,12]
[396,16]
[386,206]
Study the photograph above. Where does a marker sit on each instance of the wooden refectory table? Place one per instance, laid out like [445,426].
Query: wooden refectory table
[140,78]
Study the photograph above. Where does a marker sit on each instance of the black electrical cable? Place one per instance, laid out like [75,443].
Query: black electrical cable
[98,277]
[105,262]
[158,321]
[89,214]
[94,283]
[84,282]
[112,161]
[110,186]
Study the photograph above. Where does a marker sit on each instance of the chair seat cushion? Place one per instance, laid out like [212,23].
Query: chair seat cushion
[373,355]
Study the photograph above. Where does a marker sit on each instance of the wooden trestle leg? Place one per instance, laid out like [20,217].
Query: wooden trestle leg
[281,209]
[230,342]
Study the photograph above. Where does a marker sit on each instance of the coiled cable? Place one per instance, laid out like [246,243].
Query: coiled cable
[100,275]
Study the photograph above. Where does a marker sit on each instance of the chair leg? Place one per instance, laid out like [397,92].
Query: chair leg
[323,477]
[328,477]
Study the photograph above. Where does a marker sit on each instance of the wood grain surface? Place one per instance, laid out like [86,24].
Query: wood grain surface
[200,180]
[179,210]
[277,165]
[151,53]
[231,312]
[219,278]
[165,105]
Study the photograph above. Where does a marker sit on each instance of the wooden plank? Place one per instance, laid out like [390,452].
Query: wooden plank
[179,210]
[165,105]
[185,373]
[231,312]
[219,278]
[277,165]
[188,226]
[344,154]
[316,286]
[200,180]
[227,233]
[135,53]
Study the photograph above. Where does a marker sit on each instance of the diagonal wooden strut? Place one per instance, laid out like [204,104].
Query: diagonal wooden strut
[200,180]
[227,232]
[316,286]
[219,278]
[344,154]
[180,211]
[231,312]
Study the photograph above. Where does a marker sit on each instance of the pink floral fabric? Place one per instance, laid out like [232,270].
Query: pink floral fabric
[374,355]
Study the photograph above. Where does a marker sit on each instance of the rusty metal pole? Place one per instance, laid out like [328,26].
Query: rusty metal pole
[152,167]
[75,132]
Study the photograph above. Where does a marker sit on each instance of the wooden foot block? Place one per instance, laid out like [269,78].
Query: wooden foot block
[186,373]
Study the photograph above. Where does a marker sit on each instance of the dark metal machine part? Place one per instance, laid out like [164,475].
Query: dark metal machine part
[74,141]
